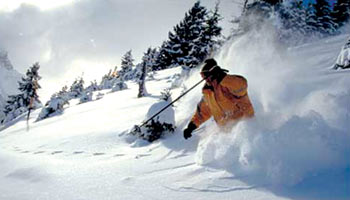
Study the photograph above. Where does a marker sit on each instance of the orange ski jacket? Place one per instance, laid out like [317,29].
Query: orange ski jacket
[226,100]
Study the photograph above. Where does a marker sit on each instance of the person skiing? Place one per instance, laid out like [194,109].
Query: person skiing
[225,98]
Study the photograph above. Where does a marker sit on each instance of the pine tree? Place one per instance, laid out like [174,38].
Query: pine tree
[254,17]
[28,98]
[77,88]
[195,21]
[55,105]
[106,82]
[324,19]
[211,32]
[311,20]
[294,22]
[273,2]
[126,66]
[183,45]
[93,86]
[341,12]
[163,59]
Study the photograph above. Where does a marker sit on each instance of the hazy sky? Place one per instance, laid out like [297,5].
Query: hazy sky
[69,37]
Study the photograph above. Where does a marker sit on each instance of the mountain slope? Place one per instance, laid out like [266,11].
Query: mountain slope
[295,148]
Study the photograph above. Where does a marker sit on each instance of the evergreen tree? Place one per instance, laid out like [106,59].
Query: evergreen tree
[196,22]
[211,32]
[341,12]
[324,19]
[163,59]
[273,2]
[255,15]
[28,98]
[293,16]
[126,66]
[106,82]
[184,42]
[77,88]
[311,20]
[55,105]
[93,86]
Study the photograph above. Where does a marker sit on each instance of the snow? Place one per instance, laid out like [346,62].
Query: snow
[295,148]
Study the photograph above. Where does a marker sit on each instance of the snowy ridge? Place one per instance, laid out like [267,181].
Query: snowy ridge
[295,148]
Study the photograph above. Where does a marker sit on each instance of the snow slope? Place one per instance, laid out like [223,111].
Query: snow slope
[295,148]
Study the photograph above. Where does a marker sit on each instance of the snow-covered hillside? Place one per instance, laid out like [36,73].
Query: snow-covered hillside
[296,147]
[8,80]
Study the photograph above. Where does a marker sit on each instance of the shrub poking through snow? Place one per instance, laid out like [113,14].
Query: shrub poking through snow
[86,96]
[166,95]
[155,129]
[163,124]
[119,85]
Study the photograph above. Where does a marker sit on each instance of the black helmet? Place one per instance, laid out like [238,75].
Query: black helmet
[209,64]
[211,68]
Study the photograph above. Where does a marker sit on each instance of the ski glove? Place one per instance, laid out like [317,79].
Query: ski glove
[188,131]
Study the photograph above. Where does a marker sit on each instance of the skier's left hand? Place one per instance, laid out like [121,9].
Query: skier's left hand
[188,131]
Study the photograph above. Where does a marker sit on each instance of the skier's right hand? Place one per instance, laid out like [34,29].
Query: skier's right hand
[188,131]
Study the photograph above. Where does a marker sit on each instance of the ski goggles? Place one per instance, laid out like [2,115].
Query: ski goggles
[208,73]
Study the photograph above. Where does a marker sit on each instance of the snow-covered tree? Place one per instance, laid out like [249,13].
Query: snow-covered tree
[343,60]
[190,41]
[294,27]
[54,106]
[341,12]
[92,87]
[28,98]
[311,21]
[14,107]
[77,88]
[324,19]
[273,2]
[119,85]
[107,81]
[126,66]
[212,32]
[193,47]
[113,80]
[255,15]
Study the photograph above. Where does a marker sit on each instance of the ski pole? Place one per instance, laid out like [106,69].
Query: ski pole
[183,94]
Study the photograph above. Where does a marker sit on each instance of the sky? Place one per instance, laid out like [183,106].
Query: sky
[70,38]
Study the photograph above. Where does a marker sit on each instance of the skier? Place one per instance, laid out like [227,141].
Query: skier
[225,98]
